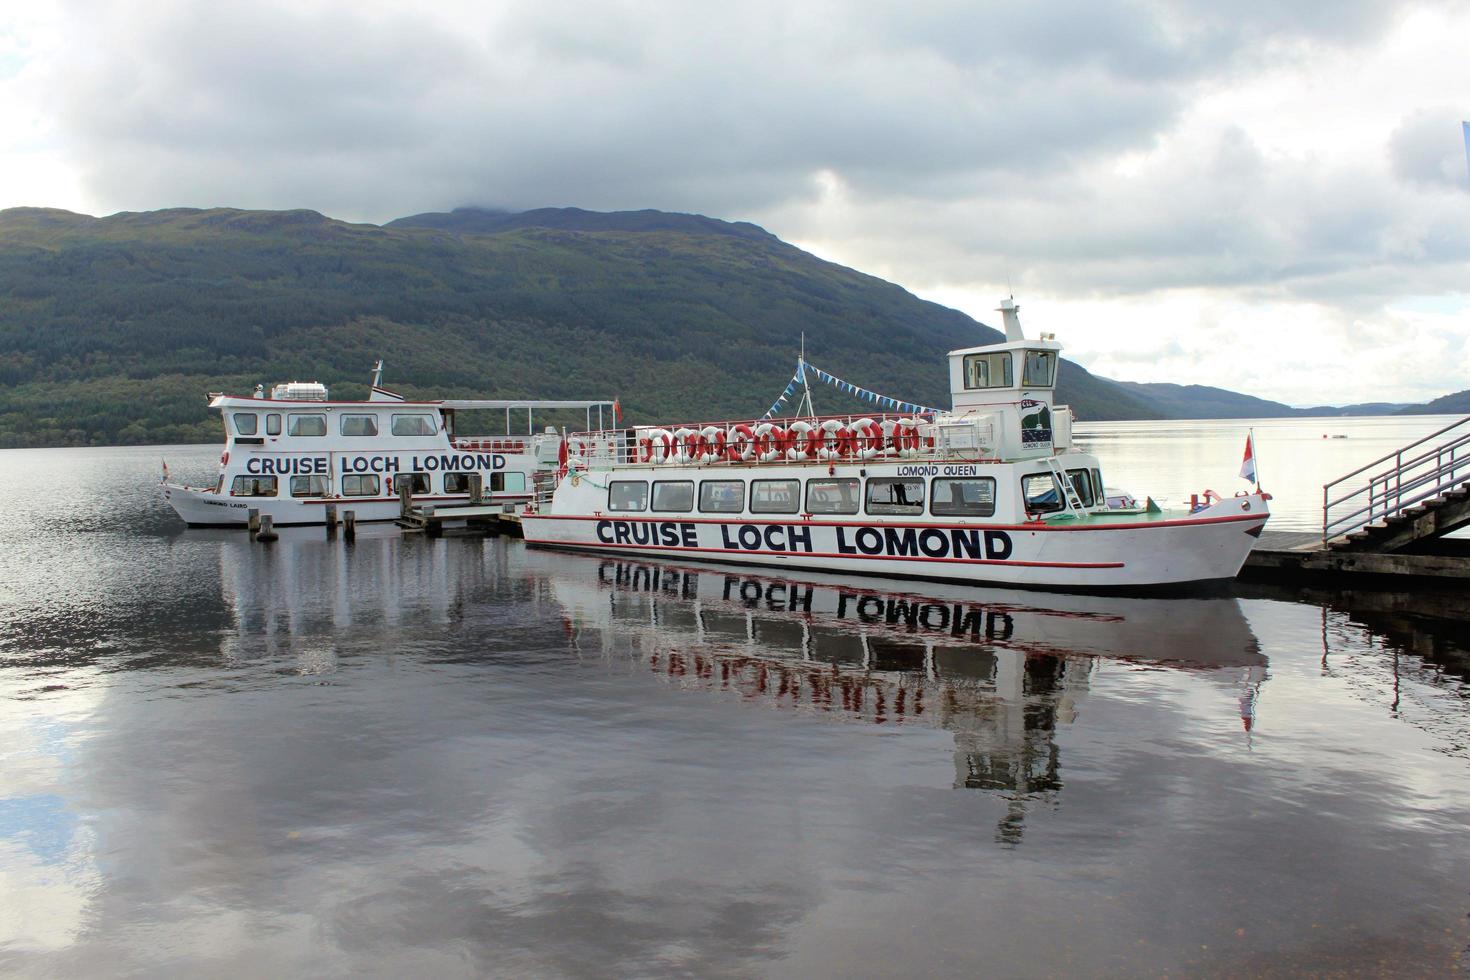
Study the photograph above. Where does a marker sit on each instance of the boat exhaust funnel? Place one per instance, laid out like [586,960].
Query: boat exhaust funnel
[1010,310]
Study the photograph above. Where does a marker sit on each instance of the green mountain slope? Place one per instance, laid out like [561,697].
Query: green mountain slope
[1455,404]
[112,329]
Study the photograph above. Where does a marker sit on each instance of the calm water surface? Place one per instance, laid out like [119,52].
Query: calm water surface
[458,757]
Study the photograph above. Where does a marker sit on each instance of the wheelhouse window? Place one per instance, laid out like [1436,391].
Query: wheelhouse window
[360,485]
[308,486]
[963,497]
[1040,492]
[775,496]
[627,495]
[1041,369]
[358,425]
[721,496]
[1082,483]
[303,424]
[418,424]
[507,483]
[991,370]
[673,495]
[245,423]
[253,486]
[273,424]
[896,495]
[832,495]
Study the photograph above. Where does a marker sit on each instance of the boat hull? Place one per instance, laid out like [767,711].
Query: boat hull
[1095,556]
[206,508]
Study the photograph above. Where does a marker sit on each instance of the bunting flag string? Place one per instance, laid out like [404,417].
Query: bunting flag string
[869,396]
[883,401]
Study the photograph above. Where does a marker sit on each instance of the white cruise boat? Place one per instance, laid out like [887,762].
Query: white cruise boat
[294,450]
[992,491]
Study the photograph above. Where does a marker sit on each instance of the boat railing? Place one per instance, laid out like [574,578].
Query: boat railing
[819,440]
[1397,481]
[492,444]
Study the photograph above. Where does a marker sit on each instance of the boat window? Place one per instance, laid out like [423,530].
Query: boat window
[360,485]
[972,497]
[673,495]
[420,424]
[627,495]
[832,495]
[457,483]
[253,486]
[245,423]
[507,482]
[775,496]
[358,425]
[1082,483]
[1039,491]
[273,424]
[1040,372]
[308,486]
[420,482]
[1099,492]
[988,370]
[722,496]
[301,424]
[896,495]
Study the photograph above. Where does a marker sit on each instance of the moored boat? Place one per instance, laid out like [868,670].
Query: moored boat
[292,451]
[991,491]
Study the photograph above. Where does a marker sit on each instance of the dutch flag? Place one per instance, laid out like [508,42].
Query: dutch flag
[1248,463]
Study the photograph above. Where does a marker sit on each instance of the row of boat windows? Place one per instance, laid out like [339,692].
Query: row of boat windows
[370,484]
[948,496]
[315,424]
[994,370]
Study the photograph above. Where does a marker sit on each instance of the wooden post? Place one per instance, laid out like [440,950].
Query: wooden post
[331,519]
[253,520]
[405,496]
[349,525]
[266,532]
[477,488]
[432,527]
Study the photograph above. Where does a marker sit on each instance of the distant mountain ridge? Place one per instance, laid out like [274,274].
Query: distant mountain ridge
[1205,402]
[112,328]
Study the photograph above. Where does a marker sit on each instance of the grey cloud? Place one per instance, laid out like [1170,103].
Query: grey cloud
[727,111]
[1427,148]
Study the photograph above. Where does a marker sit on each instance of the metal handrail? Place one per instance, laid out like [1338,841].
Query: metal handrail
[1406,483]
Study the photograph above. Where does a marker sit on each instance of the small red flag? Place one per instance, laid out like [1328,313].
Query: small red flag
[617,411]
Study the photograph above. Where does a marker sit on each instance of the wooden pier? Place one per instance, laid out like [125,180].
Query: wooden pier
[1385,524]
[1301,556]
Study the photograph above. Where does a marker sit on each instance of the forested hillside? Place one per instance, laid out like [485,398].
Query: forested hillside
[112,329]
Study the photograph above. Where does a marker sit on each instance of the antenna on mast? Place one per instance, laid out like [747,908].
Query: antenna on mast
[378,374]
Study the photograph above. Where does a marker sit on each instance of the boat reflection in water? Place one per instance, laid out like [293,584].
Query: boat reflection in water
[1001,670]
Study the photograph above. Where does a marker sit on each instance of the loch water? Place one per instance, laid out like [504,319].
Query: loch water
[461,757]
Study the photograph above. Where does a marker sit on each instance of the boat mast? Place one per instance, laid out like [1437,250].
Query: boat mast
[806,395]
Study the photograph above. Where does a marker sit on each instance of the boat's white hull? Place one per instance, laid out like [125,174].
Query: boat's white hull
[206,508]
[1208,546]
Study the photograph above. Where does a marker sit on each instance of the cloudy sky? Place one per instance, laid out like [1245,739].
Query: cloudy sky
[1266,196]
